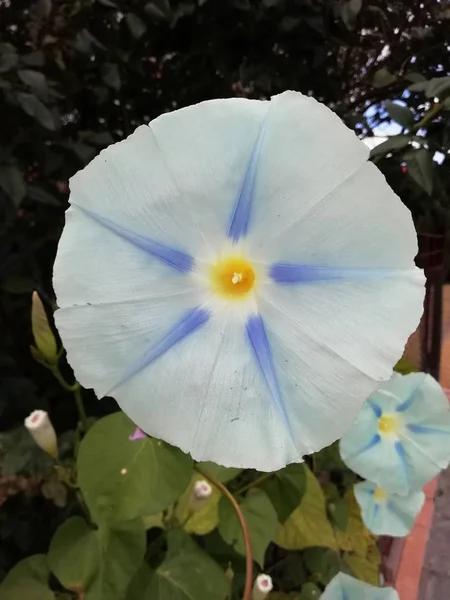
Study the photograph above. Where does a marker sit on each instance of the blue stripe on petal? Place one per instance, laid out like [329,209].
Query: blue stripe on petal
[402,455]
[406,403]
[374,406]
[175,258]
[295,273]
[261,349]
[371,444]
[242,210]
[187,325]
[417,428]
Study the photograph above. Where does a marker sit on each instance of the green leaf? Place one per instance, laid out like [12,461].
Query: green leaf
[396,142]
[187,573]
[33,106]
[218,472]
[12,182]
[310,591]
[111,76]
[405,367]
[349,13]
[42,333]
[28,580]
[136,25]
[308,525]
[383,77]
[438,87]
[338,511]
[8,57]
[33,59]
[420,167]
[159,10]
[365,568]
[261,520]
[419,86]
[285,489]
[98,562]
[323,563]
[122,479]
[400,114]
[38,194]
[415,77]
[283,596]
[35,80]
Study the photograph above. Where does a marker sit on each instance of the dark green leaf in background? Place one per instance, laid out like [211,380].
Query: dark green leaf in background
[28,580]
[261,519]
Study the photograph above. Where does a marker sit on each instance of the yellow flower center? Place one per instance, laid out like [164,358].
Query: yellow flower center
[388,424]
[379,494]
[232,277]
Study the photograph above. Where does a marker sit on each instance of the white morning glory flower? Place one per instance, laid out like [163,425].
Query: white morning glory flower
[401,438]
[238,277]
[344,587]
[384,513]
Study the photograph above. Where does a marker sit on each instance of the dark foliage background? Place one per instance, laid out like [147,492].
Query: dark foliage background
[77,75]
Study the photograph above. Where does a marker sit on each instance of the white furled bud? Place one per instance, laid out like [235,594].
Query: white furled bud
[201,493]
[42,431]
[262,587]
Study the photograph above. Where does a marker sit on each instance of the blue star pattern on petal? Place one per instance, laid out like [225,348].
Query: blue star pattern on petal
[344,587]
[387,514]
[231,274]
[410,418]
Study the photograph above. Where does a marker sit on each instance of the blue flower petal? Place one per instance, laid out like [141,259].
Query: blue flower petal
[415,451]
[292,273]
[344,587]
[387,514]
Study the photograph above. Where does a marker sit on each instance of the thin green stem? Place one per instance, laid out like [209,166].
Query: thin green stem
[80,407]
[253,483]
[75,388]
[248,549]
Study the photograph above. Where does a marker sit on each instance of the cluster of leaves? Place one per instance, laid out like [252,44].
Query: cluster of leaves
[134,534]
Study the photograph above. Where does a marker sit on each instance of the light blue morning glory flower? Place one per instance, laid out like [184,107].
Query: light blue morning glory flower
[238,277]
[387,514]
[344,587]
[401,438]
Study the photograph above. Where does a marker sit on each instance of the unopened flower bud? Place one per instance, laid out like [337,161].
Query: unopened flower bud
[43,335]
[262,587]
[138,435]
[201,493]
[42,431]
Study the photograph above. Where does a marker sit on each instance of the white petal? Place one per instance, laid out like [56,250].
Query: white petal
[332,343]
[175,181]
[317,200]
[206,396]
[94,265]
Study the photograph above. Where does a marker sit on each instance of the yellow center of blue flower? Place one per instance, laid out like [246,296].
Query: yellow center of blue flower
[379,494]
[388,424]
[232,277]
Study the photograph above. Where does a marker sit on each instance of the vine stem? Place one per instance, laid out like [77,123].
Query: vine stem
[248,550]
[253,483]
[76,390]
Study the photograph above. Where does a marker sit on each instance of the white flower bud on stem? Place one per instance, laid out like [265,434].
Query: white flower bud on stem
[262,587]
[201,493]
[42,431]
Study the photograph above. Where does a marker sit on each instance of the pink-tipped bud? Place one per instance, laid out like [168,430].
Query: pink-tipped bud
[262,587]
[201,493]
[138,435]
[42,431]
